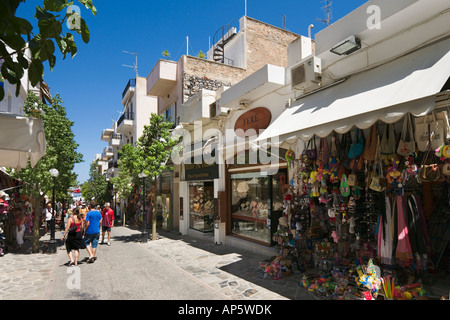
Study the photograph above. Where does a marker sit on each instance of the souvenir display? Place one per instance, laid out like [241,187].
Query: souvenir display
[357,223]
[201,204]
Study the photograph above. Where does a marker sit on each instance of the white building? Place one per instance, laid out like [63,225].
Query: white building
[396,67]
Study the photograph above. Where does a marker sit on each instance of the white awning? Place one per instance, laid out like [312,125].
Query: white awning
[407,84]
[21,138]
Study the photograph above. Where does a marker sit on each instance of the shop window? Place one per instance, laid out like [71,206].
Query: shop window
[201,204]
[256,204]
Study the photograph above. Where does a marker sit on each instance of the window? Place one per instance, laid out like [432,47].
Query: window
[201,204]
[170,113]
[256,204]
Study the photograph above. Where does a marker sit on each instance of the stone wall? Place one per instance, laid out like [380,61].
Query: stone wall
[265,44]
[204,74]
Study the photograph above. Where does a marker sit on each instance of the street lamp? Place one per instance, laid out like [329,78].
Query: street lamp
[115,209]
[142,175]
[52,244]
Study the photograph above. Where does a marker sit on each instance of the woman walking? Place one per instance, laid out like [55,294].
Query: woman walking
[74,239]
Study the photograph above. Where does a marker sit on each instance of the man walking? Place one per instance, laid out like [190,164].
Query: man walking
[107,222]
[92,235]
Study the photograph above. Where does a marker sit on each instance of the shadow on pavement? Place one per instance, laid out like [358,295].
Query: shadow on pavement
[247,267]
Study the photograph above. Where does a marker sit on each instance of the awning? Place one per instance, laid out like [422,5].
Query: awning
[407,84]
[21,138]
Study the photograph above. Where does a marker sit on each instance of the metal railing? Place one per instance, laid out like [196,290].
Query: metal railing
[131,83]
[125,116]
[108,149]
[117,136]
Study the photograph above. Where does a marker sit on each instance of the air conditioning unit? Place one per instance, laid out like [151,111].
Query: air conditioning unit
[307,75]
[217,112]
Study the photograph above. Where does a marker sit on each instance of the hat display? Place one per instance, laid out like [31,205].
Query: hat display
[242,187]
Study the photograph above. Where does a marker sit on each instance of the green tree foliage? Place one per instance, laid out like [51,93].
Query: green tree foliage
[150,155]
[18,34]
[96,187]
[201,55]
[61,154]
[166,54]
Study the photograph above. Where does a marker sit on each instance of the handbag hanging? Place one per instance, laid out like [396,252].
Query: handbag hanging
[324,152]
[370,148]
[429,130]
[377,180]
[343,150]
[311,149]
[388,145]
[357,146]
[429,169]
[406,145]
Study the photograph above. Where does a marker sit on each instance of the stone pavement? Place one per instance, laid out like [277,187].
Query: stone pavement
[228,271]
[231,271]
[24,275]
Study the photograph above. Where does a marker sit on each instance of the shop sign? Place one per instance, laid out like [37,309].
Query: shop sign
[201,172]
[252,121]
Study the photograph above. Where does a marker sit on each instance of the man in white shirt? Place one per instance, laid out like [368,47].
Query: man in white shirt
[48,216]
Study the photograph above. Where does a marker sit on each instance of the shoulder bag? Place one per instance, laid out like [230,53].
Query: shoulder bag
[406,145]
[357,146]
[429,131]
[429,169]
[311,149]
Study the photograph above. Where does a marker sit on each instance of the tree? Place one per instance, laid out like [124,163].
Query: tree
[60,154]
[96,187]
[16,34]
[166,54]
[150,156]
[201,55]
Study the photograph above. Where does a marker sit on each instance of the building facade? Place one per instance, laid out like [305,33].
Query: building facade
[186,91]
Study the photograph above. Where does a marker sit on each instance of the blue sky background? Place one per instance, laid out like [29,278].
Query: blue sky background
[91,83]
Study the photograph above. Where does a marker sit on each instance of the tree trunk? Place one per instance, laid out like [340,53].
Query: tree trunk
[36,223]
[154,214]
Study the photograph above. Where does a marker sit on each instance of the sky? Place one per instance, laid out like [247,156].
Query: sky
[91,83]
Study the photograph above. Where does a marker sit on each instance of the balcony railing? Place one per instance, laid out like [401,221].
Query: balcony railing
[131,83]
[125,116]
[108,150]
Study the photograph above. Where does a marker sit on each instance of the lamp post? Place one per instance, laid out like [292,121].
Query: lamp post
[115,209]
[52,244]
[142,175]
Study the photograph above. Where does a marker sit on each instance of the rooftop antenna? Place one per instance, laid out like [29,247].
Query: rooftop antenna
[284,21]
[327,8]
[135,66]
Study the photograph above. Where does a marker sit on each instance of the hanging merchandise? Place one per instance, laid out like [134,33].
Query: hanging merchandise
[343,151]
[324,153]
[377,180]
[311,149]
[370,147]
[429,169]
[446,169]
[403,253]
[357,204]
[357,146]
[429,128]
[406,145]
[443,115]
[289,156]
[344,187]
[446,151]
[388,145]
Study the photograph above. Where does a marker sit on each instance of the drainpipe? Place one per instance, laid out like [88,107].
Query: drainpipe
[309,30]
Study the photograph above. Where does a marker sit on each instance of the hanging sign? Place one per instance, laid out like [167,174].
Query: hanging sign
[252,121]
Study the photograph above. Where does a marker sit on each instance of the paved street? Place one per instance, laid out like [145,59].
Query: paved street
[174,267]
